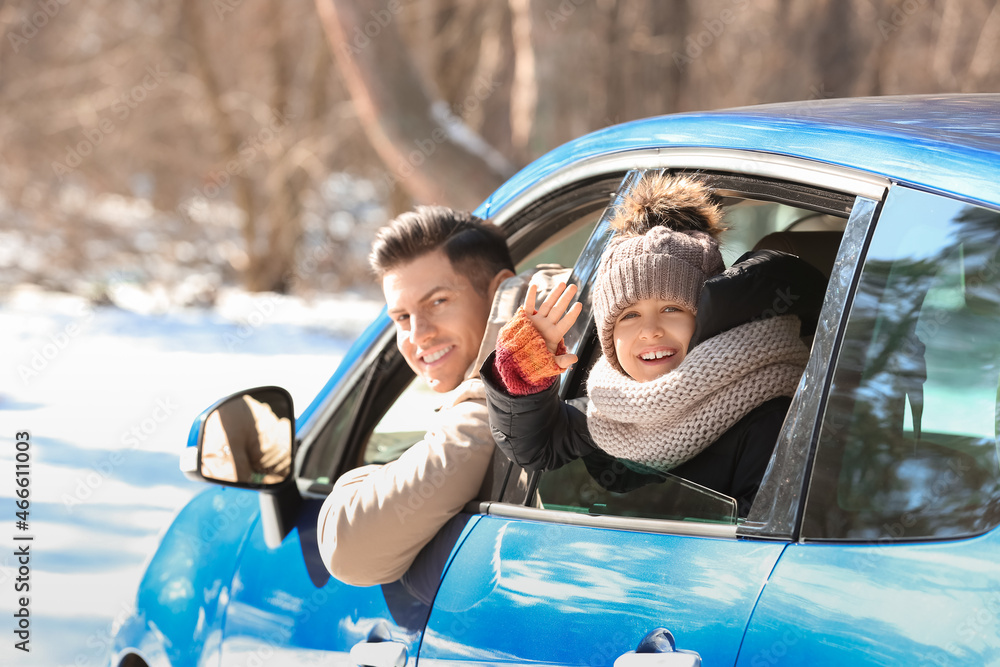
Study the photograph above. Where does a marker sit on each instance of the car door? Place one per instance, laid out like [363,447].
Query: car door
[896,562]
[284,606]
[541,590]
[584,578]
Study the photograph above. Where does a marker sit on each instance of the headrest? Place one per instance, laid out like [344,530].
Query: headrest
[760,284]
[817,248]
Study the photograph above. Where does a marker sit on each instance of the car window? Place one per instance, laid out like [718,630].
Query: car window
[564,246]
[323,457]
[750,220]
[580,486]
[908,444]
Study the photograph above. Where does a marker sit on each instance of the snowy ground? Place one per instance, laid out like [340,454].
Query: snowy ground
[108,395]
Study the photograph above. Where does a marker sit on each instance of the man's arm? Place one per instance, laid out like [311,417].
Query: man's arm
[378,517]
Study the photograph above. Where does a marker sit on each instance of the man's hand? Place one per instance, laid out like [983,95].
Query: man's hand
[552,319]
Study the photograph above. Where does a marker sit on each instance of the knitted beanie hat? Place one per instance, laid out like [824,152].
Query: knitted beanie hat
[665,249]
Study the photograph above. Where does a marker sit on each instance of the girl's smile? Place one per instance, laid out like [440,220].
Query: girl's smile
[651,338]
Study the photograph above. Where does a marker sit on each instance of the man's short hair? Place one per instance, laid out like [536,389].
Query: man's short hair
[476,248]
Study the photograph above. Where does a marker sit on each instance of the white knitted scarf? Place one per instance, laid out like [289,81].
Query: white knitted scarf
[664,422]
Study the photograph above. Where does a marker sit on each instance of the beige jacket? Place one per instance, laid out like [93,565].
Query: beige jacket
[378,517]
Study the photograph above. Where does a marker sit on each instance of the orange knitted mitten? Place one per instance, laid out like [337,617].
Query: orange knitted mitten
[523,361]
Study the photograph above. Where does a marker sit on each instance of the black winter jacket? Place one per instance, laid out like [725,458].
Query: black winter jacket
[542,432]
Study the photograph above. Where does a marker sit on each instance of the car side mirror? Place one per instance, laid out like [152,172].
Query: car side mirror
[244,440]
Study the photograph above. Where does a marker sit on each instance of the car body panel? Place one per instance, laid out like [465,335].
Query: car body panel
[300,613]
[883,603]
[183,594]
[300,609]
[522,591]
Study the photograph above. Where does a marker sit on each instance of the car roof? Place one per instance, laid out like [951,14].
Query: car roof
[946,143]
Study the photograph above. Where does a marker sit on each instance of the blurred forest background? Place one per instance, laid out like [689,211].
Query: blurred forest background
[187,145]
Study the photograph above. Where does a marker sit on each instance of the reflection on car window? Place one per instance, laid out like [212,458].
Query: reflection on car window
[573,488]
[908,447]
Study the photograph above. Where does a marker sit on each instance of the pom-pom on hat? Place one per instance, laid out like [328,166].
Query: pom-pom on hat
[666,249]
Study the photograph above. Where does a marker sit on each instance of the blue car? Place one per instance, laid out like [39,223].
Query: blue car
[873,539]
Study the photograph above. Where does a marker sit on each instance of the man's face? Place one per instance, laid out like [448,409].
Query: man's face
[440,318]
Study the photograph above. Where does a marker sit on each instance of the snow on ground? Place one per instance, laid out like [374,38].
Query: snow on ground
[108,396]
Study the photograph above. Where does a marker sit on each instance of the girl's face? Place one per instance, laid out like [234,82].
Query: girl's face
[652,337]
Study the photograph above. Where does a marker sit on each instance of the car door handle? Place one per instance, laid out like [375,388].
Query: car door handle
[378,650]
[658,649]
[379,654]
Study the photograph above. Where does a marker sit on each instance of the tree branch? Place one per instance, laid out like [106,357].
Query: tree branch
[428,150]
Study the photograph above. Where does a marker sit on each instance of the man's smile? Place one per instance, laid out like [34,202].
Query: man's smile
[436,355]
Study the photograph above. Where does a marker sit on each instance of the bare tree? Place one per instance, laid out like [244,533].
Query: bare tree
[272,164]
[425,146]
[227,118]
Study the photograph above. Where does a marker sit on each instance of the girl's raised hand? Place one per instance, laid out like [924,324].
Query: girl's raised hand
[552,319]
